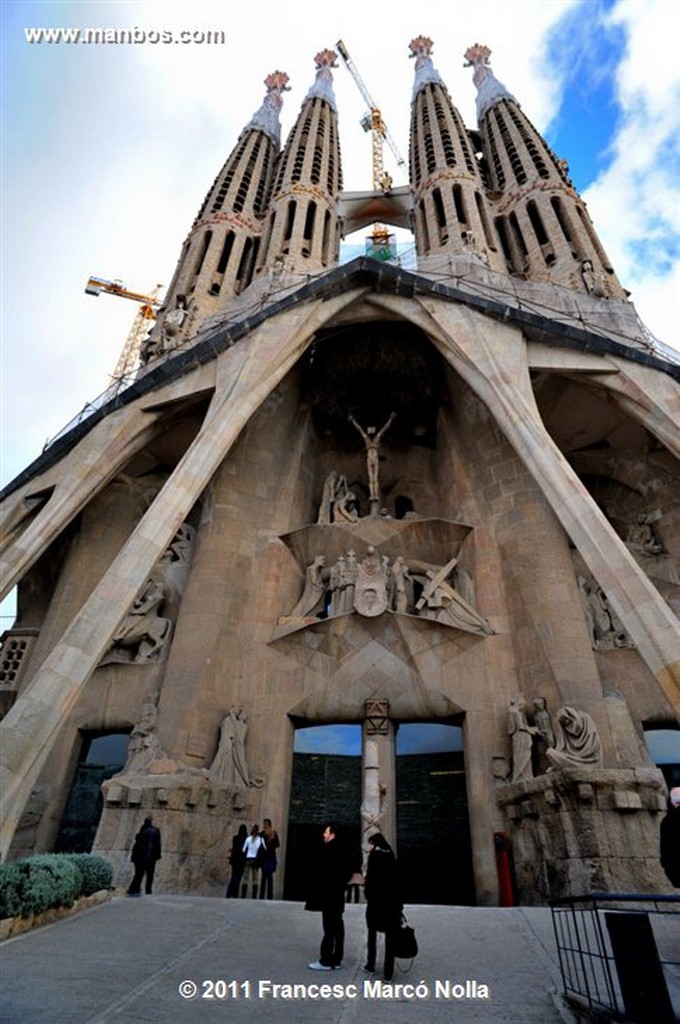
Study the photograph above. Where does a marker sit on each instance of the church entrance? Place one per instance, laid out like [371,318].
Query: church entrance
[407,780]
[101,756]
[433,833]
[326,786]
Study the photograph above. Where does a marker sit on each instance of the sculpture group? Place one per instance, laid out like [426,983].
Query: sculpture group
[375,584]
[539,747]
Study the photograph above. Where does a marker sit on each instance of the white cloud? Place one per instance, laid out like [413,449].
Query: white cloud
[635,204]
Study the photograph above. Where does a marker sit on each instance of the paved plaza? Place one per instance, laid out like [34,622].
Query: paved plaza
[129,961]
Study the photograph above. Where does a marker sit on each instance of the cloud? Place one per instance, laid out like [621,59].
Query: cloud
[635,202]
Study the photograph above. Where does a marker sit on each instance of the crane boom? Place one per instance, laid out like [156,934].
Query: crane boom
[372,122]
[146,314]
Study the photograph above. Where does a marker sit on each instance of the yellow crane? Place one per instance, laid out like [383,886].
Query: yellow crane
[146,314]
[373,122]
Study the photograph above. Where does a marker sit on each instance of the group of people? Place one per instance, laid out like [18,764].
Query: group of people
[384,907]
[253,861]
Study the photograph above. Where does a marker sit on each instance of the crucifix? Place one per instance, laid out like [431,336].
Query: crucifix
[372,438]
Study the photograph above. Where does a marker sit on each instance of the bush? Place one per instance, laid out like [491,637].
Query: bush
[97,872]
[12,879]
[52,880]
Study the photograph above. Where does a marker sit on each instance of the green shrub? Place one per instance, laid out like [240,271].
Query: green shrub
[97,872]
[12,879]
[35,884]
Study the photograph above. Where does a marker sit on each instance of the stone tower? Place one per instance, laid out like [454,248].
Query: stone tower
[218,257]
[438,503]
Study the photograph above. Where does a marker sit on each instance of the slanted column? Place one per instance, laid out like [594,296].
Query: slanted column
[378,804]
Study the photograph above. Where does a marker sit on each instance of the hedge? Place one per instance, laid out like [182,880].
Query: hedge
[32,885]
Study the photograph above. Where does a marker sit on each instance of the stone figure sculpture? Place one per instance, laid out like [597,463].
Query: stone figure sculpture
[578,741]
[640,537]
[370,592]
[400,586]
[143,744]
[521,734]
[544,737]
[440,601]
[229,765]
[371,438]
[144,628]
[313,596]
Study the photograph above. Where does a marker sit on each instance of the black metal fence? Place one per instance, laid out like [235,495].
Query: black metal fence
[620,955]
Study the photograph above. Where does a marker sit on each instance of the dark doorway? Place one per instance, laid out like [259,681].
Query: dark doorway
[102,755]
[326,786]
[433,833]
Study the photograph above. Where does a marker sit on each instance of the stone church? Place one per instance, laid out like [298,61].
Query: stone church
[428,515]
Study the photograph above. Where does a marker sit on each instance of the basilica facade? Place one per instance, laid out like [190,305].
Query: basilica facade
[427,516]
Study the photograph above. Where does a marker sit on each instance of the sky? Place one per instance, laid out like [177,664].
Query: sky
[109,149]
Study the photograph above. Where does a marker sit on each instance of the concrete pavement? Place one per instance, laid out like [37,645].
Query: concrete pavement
[125,961]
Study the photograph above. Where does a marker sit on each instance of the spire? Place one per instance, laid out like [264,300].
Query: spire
[323,84]
[302,233]
[489,90]
[267,117]
[218,258]
[421,48]
[451,209]
[543,226]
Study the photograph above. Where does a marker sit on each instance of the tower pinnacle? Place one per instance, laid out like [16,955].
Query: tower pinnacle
[421,48]
[267,117]
[489,90]
[323,84]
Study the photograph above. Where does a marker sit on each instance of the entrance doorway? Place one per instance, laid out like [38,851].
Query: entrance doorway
[102,755]
[433,832]
[326,786]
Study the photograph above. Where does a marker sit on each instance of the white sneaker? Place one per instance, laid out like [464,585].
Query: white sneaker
[318,966]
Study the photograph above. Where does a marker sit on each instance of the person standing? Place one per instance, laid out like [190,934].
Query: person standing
[146,851]
[383,902]
[271,842]
[330,879]
[670,839]
[251,870]
[237,859]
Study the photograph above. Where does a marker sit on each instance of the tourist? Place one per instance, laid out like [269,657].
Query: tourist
[237,859]
[383,902]
[146,851]
[330,876]
[271,842]
[251,870]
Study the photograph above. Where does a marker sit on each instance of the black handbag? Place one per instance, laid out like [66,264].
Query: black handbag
[405,942]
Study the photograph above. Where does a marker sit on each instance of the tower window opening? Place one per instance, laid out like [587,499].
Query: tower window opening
[226,252]
[439,207]
[207,239]
[470,161]
[459,204]
[309,228]
[423,226]
[510,148]
[263,182]
[520,244]
[564,222]
[244,263]
[481,210]
[505,243]
[290,220]
[326,242]
[540,232]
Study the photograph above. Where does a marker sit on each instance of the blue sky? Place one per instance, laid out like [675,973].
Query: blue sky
[108,150]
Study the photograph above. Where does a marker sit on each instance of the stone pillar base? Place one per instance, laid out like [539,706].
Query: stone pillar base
[578,831]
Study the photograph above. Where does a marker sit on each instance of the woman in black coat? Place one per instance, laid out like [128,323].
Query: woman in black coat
[383,901]
[237,859]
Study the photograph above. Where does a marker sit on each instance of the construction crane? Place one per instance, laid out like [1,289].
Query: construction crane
[146,314]
[373,122]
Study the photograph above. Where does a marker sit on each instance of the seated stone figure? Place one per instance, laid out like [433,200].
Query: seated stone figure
[578,743]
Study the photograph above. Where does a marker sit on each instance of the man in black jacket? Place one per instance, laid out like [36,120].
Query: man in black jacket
[145,852]
[329,897]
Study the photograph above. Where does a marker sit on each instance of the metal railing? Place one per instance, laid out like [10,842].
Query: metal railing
[619,955]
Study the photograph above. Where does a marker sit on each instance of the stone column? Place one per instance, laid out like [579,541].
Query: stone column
[378,805]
